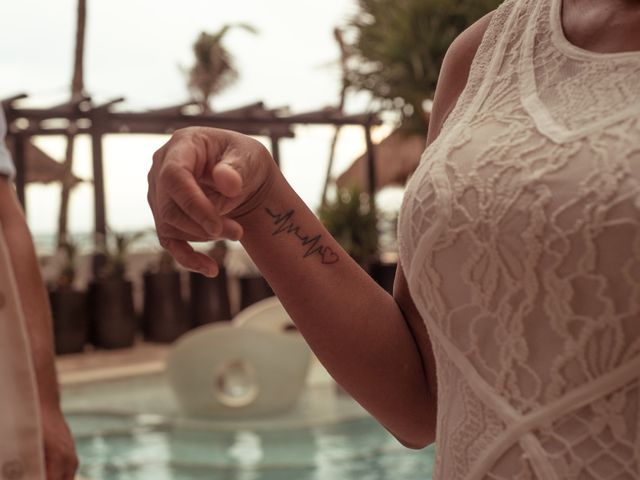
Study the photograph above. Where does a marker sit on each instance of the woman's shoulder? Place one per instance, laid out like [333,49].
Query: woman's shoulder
[454,72]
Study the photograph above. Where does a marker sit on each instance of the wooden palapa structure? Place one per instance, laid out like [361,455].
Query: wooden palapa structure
[84,117]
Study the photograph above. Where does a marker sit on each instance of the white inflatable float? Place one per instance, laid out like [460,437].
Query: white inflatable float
[254,365]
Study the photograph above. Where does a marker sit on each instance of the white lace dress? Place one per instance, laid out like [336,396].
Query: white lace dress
[520,240]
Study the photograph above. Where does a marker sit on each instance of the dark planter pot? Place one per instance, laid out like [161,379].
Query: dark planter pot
[113,320]
[252,290]
[384,274]
[70,312]
[209,298]
[164,317]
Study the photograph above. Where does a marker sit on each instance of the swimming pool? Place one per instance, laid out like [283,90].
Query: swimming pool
[133,429]
[117,448]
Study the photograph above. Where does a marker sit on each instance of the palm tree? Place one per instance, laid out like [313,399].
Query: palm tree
[395,53]
[214,69]
[399,46]
[344,59]
[77,93]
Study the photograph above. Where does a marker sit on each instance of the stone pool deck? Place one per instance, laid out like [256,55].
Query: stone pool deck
[143,358]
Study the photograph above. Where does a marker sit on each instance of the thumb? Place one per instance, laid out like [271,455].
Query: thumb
[227,178]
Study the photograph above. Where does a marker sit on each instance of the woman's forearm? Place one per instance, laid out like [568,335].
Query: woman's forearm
[209,183]
[354,327]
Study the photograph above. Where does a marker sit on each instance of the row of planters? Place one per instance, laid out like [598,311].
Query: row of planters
[104,314]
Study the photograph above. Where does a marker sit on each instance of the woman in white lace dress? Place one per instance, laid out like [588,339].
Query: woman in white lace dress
[519,247]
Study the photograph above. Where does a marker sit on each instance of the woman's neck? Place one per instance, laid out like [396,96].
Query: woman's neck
[602,26]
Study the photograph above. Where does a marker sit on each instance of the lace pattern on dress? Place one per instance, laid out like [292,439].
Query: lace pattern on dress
[520,238]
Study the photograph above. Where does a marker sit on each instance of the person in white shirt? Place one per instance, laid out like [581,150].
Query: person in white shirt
[35,442]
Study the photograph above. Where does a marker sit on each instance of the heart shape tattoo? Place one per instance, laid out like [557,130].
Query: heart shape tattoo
[329,257]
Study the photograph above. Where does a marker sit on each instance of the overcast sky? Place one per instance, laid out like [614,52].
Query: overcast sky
[134,48]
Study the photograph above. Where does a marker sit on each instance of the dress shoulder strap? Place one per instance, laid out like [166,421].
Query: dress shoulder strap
[502,31]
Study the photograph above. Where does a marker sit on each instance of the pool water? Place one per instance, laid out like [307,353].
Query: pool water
[132,428]
[144,447]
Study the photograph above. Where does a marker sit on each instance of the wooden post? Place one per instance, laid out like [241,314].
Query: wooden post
[371,165]
[20,162]
[98,184]
[275,149]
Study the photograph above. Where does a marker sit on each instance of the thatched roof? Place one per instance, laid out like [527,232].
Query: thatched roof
[396,157]
[41,168]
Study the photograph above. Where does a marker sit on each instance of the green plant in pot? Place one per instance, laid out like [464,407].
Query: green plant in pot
[350,219]
[113,319]
[210,296]
[69,306]
[354,224]
[164,316]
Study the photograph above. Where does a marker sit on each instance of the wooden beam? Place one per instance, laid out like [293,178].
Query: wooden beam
[116,124]
[113,129]
[325,114]
[160,120]
[109,104]
[38,114]
[69,105]
[204,119]
[6,103]
[173,109]
[257,107]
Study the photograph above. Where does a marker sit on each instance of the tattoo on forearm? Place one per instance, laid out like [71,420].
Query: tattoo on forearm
[284,224]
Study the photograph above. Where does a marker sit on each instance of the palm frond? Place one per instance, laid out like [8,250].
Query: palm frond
[399,45]
[213,69]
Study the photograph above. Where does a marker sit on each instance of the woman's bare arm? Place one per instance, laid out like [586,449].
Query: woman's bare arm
[453,79]
[355,328]
[208,183]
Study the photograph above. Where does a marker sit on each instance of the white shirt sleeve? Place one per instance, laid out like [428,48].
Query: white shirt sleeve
[6,164]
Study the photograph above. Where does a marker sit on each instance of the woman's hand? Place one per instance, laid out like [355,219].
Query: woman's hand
[200,180]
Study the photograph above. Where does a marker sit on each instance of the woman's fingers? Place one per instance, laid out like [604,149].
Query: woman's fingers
[227,178]
[174,216]
[231,229]
[169,231]
[186,256]
[198,178]
[179,227]
[183,189]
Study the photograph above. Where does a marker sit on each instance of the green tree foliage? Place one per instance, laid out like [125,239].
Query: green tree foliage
[398,47]
[213,69]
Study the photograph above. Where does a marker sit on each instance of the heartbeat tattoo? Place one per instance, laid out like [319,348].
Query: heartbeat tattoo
[284,224]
